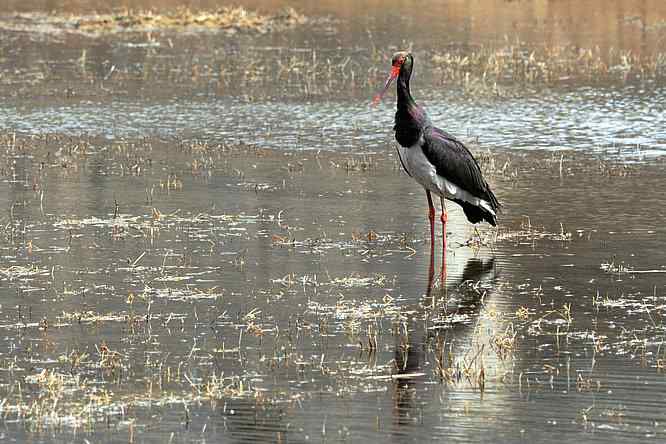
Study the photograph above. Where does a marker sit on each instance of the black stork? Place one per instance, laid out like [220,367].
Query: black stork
[435,159]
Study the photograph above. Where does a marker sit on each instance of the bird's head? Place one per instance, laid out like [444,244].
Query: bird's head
[401,61]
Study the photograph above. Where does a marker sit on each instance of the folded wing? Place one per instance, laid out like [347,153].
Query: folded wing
[454,162]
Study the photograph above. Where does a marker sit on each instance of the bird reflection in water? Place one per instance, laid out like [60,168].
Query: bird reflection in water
[410,347]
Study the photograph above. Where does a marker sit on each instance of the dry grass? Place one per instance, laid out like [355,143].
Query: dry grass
[530,233]
[483,68]
[228,18]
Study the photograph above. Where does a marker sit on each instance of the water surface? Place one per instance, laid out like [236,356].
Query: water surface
[198,245]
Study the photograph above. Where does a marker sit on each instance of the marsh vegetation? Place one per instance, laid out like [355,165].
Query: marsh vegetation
[205,234]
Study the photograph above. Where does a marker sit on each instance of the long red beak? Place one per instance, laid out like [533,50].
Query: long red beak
[395,70]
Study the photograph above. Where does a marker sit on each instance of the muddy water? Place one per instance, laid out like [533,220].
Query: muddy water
[194,254]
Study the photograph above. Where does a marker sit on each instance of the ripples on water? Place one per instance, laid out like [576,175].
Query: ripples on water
[614,122]
[246,233]
[274,268]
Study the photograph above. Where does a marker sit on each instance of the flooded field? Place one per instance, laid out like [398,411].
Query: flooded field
[205,234]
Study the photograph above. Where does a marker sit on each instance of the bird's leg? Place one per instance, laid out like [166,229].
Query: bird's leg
[431,278]
[431,217]
[444,218]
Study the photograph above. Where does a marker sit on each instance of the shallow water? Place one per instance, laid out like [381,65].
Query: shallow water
[187,260]
[302,89]
[247,234]
[612,122]
[631,24]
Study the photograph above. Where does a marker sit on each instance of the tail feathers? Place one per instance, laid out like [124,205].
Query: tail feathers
[477,214]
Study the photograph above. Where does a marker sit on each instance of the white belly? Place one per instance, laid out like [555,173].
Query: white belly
[418,166]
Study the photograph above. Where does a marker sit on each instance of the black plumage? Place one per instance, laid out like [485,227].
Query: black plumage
[453,161]
[438,161]
[449,156]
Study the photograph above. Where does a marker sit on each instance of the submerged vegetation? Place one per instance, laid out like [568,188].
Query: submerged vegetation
[261,283]
[160,304]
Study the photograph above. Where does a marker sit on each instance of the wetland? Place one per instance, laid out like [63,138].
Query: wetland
[205,233]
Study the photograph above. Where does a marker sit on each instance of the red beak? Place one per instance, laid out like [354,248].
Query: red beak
[395,70]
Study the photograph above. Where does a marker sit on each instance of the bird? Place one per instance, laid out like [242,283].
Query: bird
[438,161]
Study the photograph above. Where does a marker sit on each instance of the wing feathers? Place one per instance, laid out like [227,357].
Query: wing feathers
[455,163]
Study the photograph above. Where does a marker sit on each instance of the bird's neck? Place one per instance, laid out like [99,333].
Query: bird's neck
[409,118]
[407,107]
[405,99]
[409,114]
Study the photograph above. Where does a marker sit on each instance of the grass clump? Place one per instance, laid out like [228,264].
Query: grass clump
[521,63]
[228,18]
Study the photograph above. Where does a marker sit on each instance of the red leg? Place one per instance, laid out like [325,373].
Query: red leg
[431,276]
[444,218]
[431,217]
